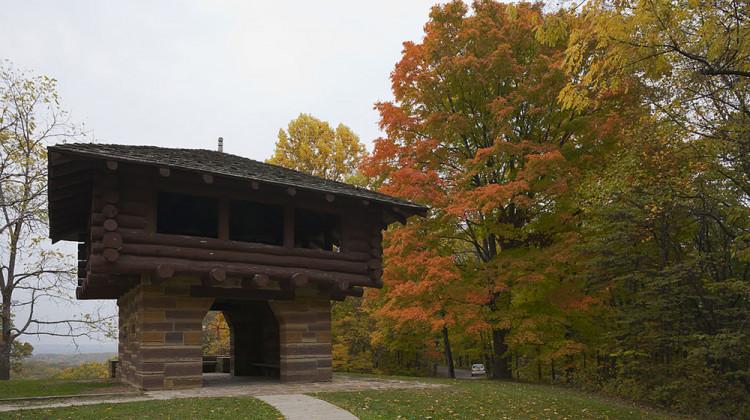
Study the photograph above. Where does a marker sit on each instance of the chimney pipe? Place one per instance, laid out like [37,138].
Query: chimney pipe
[221,144]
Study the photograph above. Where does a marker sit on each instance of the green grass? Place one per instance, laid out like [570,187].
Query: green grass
[17,388]
[482,399]
[192,408]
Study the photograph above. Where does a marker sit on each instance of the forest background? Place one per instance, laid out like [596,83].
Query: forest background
[588,176]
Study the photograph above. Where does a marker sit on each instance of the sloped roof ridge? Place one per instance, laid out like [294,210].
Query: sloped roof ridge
[226,164]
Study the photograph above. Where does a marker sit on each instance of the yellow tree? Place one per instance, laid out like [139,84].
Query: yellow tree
[31,270]
[312,146]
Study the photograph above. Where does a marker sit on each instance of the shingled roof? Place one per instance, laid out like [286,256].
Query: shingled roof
[223,164]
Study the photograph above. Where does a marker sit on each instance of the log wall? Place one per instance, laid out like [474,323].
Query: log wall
[123,240]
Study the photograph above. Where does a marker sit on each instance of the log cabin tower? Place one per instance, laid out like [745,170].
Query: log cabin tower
[173,233]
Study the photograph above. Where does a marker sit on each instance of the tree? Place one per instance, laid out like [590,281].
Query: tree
[476,133]
[311,146]
[667,220]
[31,270]
[216,334]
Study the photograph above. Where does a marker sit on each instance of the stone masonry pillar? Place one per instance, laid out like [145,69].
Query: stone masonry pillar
[161,335]
[305,337]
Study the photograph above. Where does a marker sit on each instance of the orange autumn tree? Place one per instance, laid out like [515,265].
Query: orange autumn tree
[476,133]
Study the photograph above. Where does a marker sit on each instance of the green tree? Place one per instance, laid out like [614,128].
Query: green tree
[667,220]
[312,146]
[31,270]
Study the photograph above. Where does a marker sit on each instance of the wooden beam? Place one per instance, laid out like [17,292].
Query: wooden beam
[138,236]
[256,281]
[129,264]
[293,282]
[208,254]
[217,275]
[111,255]
[110,225]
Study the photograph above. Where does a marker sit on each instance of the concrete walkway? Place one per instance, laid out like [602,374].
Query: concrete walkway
[303,407]
[287,398]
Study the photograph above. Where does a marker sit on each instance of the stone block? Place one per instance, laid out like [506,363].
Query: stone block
[309,337]
[163,354]
[172,370]
[306,349]
[152,315]
[152,337]
[188,326]
[184,315]
[183,383]
[159,301]
[325,374]
[173,338]
[298,365]
[193,338]
[157,327]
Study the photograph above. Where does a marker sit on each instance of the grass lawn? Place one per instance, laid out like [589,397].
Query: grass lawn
[192,408]
[49,387]
[483,399]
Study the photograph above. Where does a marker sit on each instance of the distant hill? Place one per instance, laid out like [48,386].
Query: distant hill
[72,359]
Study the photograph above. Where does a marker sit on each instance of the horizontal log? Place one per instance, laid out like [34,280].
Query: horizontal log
[111,196]
[109,211]
[357,245]
[137,236]
[130,264]
[163,272]
[354,292]
[240,294]
[334,286]
[294,281]
[198,254]
[136,208]
[111,254]
[112,240]
[375,264]
[123,221]
[110,225]
[217,275]
[256,281]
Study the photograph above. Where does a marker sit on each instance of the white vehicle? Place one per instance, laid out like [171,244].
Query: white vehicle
[477,370]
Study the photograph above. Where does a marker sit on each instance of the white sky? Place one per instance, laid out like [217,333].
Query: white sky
[183,73]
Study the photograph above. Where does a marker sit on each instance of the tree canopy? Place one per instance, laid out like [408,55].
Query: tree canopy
[312,146]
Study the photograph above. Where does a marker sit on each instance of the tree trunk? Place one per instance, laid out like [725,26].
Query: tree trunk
[448,354]
[5,343]
[501,367]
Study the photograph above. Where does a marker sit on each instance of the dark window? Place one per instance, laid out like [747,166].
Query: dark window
[180,214]
[314,230]
[256,222]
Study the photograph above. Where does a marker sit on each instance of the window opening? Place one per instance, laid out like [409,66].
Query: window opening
[256,222]
[180,214]
[315,230]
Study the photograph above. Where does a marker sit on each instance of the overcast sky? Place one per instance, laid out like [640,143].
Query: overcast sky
[183,73]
